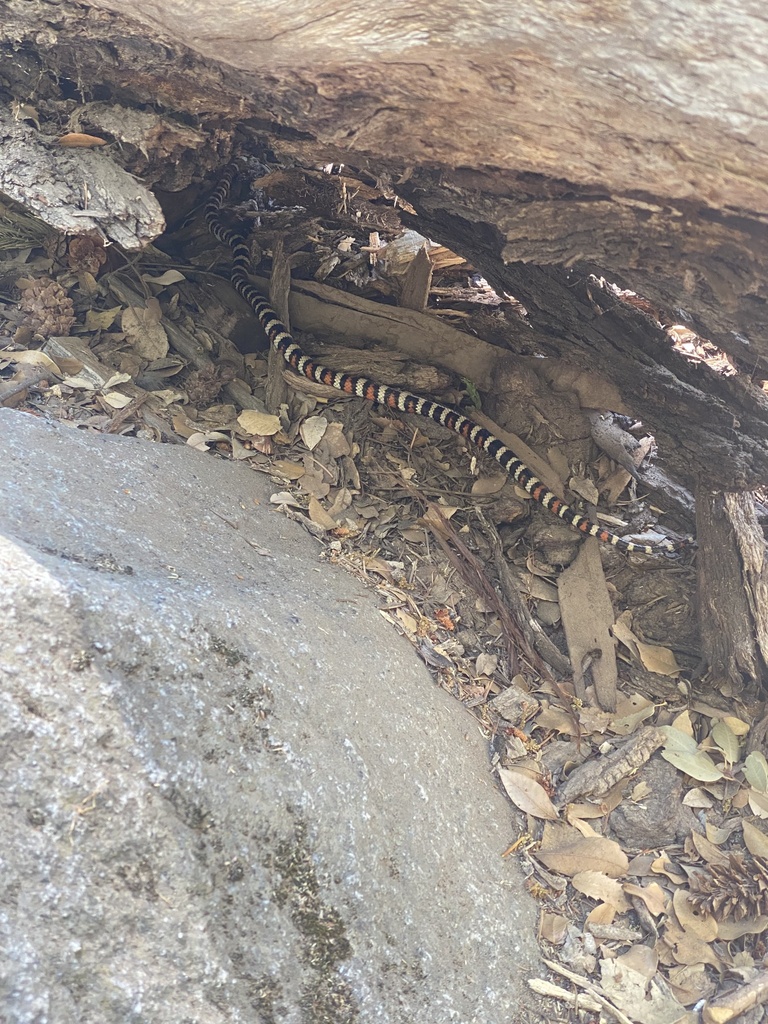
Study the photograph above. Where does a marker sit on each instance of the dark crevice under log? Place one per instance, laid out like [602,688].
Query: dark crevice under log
[708,427]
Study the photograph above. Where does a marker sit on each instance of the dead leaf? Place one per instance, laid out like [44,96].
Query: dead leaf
[290,470]
[144,332]
[34,357]
[602,914]
[730,930]
[693,919]
[755,840]
[557,720]
[657,659]
[80,140]
[652,895]
[489,484]
[756,771]
[409,623]
[101,320]
[486,664]
[201,439]
[590,854]
[599,886]
[758,803]
[584,488]
[284,498]
[336,444]
[262,424]
[25,112]
[641,1000]
[548,613]
[662,865]
[697,799]
[683,723]
[527,795]
[312,431]
[319,516]
[727,740]
[553,928]
[698,764]
[116,379]
[116,401]
[169,277]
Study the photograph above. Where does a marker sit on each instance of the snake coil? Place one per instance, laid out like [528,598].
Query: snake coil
[352,384]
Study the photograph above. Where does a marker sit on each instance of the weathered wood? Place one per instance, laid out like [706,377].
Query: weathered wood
[732,582]
[512,136]
[75,190]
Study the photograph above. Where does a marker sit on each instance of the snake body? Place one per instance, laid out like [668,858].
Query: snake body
[353,384]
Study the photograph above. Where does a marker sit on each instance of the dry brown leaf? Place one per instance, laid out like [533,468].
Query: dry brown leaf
[486,664]
[284,498]
[548,613]
[262,424]
[758,803]
[584,487]
[319,516]
[731,930]
[116,400]
[697,799]
[335,442]
[601,915]
[34,357]
[692,918]
[707,850]
[182,425]
[652,895]
[593,854]
[575,813]
[631,712]
[755,840]
[315,481]
[660,660]
[662,865]
[539,588]
[144,332]
[489,484]
[643,1001]
[409,623]
[312,431]
[690,984]
[683,723]
[101,320]
[78,140]
[557,720]
[169,277]
[290,470]
[553,928]
[527,795]
[598,886]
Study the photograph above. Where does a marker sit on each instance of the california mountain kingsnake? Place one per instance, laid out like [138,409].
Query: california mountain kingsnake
[351,384]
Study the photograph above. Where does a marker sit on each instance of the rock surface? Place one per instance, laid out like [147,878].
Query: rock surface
[231,793]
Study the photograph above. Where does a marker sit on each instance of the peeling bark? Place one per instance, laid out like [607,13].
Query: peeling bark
[733,585]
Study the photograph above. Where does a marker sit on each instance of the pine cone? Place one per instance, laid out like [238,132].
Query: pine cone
[203,386]
[49,310]
[737,889]
[86,253]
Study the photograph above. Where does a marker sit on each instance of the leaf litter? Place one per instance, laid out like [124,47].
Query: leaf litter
[644,839]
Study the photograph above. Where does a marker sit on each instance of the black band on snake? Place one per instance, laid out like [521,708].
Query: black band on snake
[352,384]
